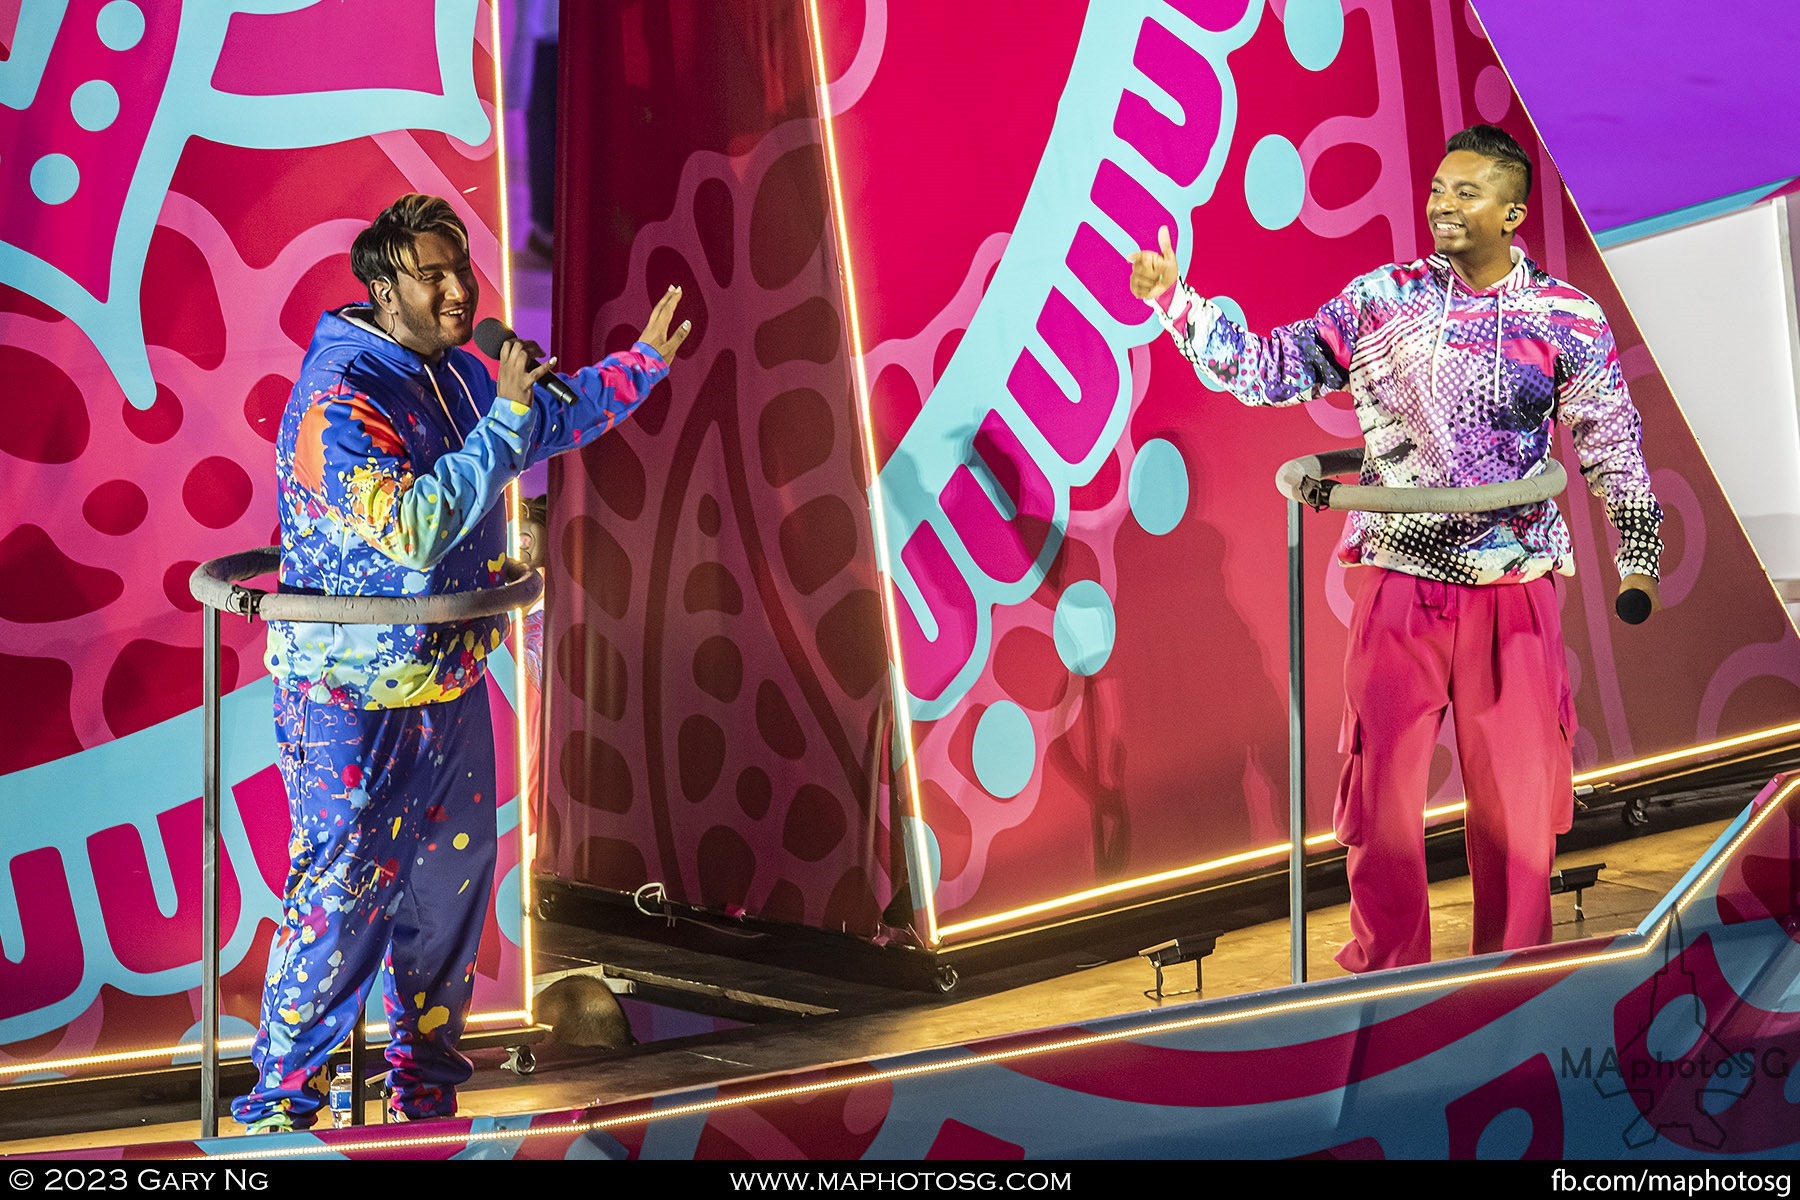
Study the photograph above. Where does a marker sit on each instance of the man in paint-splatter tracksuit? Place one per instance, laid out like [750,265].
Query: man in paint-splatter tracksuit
[393,455]
[1458,364]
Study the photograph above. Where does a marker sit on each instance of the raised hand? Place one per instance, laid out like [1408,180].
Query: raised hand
[656,329]
[1153,272]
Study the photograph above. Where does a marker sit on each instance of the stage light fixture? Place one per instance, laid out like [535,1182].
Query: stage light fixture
[1191,947]
[1577,880]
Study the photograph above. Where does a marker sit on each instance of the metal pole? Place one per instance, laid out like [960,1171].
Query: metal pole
[209,882]
[1296,746]
[1307,481]
[359,1049]
[214,584]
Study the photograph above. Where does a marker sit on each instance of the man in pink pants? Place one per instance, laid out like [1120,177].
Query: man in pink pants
[1458,365]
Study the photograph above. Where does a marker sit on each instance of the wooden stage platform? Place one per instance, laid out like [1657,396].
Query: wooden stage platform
[714,1009]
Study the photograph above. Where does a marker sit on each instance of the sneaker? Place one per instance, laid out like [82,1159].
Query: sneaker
[395,1115]
[278,1122]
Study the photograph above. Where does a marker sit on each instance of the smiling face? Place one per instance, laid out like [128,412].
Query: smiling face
[431,307]
[1472,209]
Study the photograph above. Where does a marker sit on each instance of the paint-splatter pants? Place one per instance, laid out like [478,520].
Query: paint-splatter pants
[390,873]
[1493,656]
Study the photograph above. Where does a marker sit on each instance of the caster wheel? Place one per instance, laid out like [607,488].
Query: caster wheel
[945,978]
[546,906]
[1635,813]
[521,1061]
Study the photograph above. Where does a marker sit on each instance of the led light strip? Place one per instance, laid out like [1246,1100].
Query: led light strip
[514,498]
[1270,853]
[1692,752]
[920,855]
[1641,944]
[375,1029]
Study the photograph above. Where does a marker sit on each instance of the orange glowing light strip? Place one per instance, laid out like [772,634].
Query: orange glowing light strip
[514,525]
[1075,899]
[878,511]
[958,1060]
[1658,760]
[376,1029]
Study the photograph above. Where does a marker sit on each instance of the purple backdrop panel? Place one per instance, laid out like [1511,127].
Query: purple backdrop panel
[1655,106]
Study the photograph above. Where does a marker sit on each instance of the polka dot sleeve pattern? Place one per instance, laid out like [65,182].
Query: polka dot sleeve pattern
[1452,388]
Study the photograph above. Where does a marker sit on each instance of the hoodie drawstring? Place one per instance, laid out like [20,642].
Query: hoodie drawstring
[467,394]
[1499,322]
[1444,331]
[432,375]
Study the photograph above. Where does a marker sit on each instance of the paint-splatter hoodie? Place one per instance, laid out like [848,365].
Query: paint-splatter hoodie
[1453,388]
[390,476]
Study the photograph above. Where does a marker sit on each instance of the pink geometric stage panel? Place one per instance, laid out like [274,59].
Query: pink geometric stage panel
[1082,555]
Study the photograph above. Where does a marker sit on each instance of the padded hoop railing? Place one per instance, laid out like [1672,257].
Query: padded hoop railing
[218,586]
[1307,483]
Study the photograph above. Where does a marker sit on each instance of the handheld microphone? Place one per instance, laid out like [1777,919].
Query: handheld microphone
[491,334]
[1633,606]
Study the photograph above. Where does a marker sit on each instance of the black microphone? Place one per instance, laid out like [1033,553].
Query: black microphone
[491,334]
[1633,606]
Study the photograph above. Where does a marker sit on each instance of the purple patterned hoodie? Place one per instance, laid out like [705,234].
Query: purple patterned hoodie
[1453,388]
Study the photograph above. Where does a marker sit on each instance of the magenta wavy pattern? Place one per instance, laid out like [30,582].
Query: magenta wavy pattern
[713,640]
[1172,753]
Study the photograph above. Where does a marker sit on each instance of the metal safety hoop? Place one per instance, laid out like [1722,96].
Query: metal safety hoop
[1307,483]
[217,584]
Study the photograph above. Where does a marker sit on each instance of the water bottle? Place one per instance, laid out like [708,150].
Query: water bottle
[343,1097]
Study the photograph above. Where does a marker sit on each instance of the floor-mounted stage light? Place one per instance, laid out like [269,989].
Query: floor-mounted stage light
[1190,947]
[1577,880]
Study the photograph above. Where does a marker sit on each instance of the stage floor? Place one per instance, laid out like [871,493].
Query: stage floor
[765,1018]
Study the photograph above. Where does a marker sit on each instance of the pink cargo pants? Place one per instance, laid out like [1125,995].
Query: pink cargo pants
[1494,656]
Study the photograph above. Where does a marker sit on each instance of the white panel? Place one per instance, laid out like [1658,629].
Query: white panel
[1714,300]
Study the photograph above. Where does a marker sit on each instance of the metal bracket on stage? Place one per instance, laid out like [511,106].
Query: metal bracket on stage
[1577,880]
[1308,482]
[216,584]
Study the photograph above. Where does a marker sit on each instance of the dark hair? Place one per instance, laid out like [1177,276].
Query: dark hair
[387,245]
[1490,141]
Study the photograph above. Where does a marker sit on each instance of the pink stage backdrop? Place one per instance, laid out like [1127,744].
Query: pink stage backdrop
[1085,551]
[714,658]
[181,183]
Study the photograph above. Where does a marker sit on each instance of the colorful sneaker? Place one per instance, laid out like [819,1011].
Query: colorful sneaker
[278,1122]
[399,1116]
